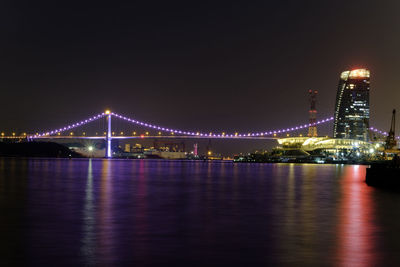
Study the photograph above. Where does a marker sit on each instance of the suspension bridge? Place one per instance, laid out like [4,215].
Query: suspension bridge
[162,132]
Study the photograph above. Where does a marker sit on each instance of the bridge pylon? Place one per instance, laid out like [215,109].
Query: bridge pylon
[109,135]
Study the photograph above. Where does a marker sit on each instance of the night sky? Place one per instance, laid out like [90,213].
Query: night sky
[196,65]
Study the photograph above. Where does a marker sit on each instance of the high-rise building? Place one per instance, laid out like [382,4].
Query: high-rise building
[352,105]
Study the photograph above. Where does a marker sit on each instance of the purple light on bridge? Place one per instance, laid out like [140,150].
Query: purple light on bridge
[227,135]
[180,131]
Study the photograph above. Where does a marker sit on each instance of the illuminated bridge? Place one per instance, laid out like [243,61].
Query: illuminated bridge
[160,131]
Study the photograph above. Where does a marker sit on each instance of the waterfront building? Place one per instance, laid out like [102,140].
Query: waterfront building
[332,147]
[352,105]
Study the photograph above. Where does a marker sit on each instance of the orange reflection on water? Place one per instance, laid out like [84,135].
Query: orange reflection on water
[356,244]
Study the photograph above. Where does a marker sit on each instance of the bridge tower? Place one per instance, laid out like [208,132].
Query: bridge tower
[108,135]
[391,139]
[312,129]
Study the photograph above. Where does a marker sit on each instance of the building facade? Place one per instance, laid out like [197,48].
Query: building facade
[352,105]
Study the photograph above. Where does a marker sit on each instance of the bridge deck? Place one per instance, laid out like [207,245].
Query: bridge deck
[159,136]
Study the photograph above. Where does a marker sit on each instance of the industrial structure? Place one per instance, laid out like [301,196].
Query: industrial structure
[391,142]
[351,120]
[312,129]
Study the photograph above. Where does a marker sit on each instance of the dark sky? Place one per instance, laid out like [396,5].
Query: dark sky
[193,64]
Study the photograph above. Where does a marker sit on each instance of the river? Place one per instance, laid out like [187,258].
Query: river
[98,212]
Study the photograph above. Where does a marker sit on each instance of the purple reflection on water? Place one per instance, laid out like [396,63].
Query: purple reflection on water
[89,221]
[138,212]
[107,214]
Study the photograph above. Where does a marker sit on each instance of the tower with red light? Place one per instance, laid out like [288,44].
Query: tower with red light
[312,129]
[351,119]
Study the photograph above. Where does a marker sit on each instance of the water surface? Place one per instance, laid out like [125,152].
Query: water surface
[182,213]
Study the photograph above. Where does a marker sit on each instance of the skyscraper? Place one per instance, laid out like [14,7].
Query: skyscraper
[352,105]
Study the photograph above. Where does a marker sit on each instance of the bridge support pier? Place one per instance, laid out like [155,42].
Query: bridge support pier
[108,135]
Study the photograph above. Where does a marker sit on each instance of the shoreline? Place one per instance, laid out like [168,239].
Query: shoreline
[181,160]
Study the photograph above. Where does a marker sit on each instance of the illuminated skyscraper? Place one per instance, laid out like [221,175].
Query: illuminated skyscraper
[352,105]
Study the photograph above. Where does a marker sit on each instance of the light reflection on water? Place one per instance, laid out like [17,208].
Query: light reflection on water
[118,212]
[89,220]
[357,229]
